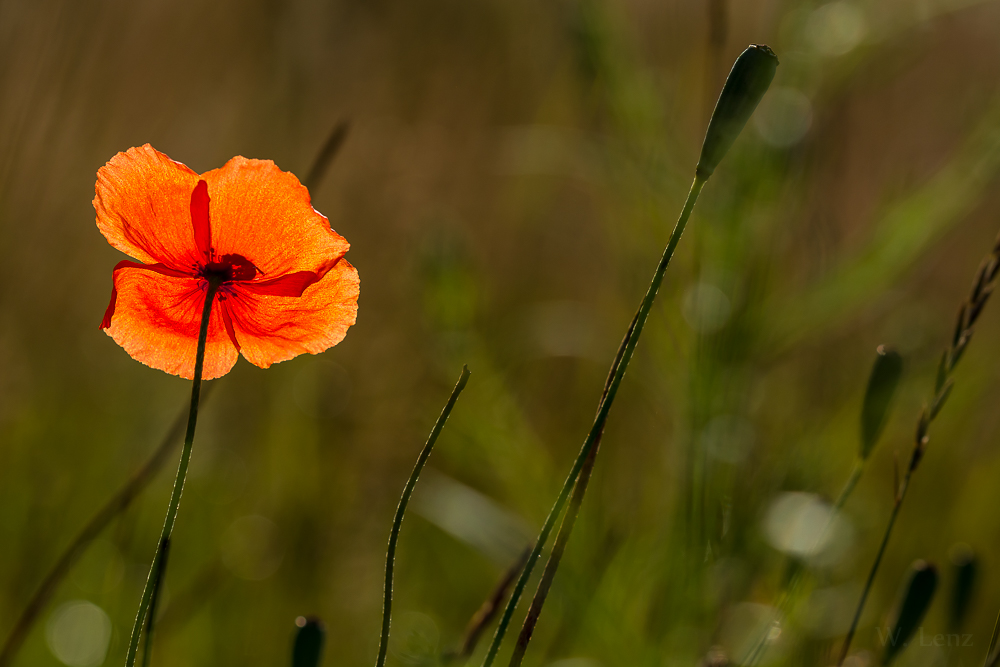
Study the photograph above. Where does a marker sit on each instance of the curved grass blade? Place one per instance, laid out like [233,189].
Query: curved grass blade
[397,520]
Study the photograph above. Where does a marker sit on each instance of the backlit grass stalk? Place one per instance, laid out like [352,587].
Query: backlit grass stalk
[992,656]
[397,521]
[968,313]
[155,571]
[598,426]
[566,529]
[748,81]
[486,612]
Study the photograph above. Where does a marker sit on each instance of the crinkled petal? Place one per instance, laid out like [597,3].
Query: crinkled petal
[162,269]
[156,318]
[270,328]
[264,214]
[143,203]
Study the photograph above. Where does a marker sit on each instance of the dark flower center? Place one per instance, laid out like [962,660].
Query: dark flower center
[231,267]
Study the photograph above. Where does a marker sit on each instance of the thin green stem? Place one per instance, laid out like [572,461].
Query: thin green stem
[878,561]
[569,520]
[789,592]
[147,647]
[486,612]
[558,548]
[990,657]
[598,426]
[845,493]
[182,468]
[397,521]
[117,504]
[970,310]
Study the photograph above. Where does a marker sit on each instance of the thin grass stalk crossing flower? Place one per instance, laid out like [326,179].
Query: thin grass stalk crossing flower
[983,285]
[566,529]
[175,495]
[397,520]
[117,504]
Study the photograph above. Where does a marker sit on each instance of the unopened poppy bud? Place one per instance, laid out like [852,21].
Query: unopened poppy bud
[916,597]
[963,559]
[308,642]
[882,383]
[748,81]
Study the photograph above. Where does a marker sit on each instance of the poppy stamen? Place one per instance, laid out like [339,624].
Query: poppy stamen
[231,267]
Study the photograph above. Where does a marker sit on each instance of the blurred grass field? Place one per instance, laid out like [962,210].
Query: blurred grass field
[509,179]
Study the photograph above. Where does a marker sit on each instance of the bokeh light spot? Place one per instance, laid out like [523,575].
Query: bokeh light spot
[706,308]
[78,634]
[836,28]
[783,117]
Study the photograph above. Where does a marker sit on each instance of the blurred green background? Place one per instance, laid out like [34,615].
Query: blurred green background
[511,174]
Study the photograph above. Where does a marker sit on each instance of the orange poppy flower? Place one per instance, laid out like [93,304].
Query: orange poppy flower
[286,289]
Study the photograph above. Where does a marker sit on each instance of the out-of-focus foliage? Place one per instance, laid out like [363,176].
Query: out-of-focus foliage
[510,177]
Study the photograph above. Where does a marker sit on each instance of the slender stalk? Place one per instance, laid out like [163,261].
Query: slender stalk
[330,148]
[548,574]
[788,594]
[845,493]
[875,565]
[569,520]
[117,504]
[968,313]
[397,521]
[182,468]
[598,426]
[991,658]
[486,612]
[147,647]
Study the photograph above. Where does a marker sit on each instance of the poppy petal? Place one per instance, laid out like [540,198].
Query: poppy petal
[264,214]
[143,203]
[158,268]
[156,318]
[199,220]
[292,284]
[273,328]
[227,319]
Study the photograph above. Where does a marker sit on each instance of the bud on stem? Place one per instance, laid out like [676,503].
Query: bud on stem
[882,384]
[308,646]
[917,595]
[748,81]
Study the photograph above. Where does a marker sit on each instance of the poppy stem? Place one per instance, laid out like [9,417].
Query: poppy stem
[618,372]
[156,573]
[147,647]
[397,520]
